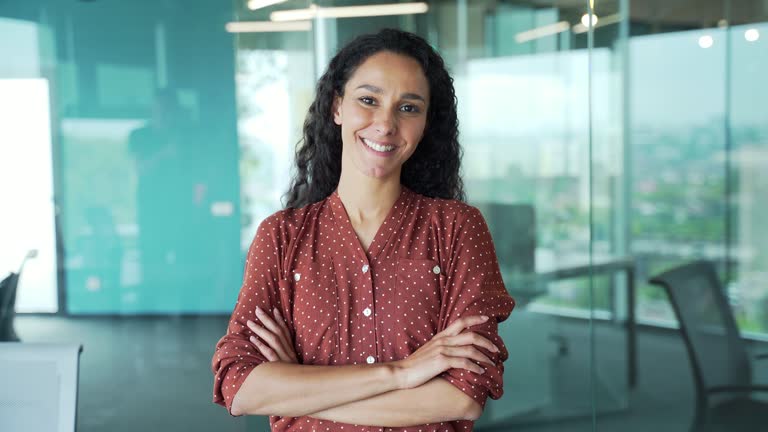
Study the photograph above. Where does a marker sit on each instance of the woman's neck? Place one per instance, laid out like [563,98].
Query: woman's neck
[368,199]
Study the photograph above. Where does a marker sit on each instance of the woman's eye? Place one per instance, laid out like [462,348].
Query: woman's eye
[367,100]
[409,108]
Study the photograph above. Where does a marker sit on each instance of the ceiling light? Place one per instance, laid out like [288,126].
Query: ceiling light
[349,11]
[604,21]
[751,35]
[585,20]
[706,41]
[267,26]
[542,31]
[258,4]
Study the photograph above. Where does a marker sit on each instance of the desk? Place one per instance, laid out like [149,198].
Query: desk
[524,287]
[39,390]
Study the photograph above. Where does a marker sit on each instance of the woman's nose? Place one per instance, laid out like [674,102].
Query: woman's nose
[385,122]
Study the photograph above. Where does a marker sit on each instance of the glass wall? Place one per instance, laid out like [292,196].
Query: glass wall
[541,110]
[699,136]
[144,142]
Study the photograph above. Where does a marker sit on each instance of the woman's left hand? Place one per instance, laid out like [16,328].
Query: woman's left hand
[274,338]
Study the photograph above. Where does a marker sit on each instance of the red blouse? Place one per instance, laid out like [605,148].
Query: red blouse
[431,262]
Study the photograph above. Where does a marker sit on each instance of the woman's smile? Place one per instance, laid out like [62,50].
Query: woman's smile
[378,148]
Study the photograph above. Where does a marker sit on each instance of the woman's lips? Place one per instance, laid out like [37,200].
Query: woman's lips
[378,148]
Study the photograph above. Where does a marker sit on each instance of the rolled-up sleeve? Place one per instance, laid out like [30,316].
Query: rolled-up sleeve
[235,357]
[474,287]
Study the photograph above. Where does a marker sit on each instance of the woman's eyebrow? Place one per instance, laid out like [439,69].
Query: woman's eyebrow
[412,96]
[378,90]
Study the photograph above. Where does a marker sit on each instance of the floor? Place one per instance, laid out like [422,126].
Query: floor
[153,374]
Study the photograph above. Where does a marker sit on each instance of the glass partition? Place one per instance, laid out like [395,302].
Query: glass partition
[541,161]
[704,145]
[697,139]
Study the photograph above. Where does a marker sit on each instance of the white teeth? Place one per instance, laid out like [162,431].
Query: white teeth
[378,147]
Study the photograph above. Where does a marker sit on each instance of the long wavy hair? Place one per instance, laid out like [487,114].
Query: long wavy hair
[434,168]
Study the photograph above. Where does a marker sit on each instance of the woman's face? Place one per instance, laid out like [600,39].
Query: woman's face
[382,114]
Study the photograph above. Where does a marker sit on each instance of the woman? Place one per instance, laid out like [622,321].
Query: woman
[374,298]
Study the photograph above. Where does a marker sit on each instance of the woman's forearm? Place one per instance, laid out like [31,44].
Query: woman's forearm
[435,401]
[293,390]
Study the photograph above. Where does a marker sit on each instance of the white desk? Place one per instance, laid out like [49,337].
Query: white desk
[39,386]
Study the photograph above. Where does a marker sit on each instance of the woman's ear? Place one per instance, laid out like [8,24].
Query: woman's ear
[337,110]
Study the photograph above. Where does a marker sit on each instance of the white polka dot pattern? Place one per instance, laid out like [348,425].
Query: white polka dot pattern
[431,262]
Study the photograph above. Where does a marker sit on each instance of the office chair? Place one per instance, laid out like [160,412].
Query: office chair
[8,288]
[720,363]
[7,306]
[513,229]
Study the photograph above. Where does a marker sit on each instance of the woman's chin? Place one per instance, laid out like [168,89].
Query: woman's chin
[378,172]
[371,169]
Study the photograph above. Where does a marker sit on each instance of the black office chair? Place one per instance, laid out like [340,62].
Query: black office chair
[722,370]
[7,308]
[8,301]
[513,229]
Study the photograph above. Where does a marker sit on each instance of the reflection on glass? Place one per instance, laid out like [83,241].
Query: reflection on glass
[166,192]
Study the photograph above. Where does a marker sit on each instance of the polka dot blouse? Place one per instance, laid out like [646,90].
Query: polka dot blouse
[431,262]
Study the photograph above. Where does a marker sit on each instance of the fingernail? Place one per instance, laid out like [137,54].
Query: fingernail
[276,311]
[485,318]
[249,323]
[258,310]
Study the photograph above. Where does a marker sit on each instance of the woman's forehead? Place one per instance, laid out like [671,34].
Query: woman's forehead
[390,71]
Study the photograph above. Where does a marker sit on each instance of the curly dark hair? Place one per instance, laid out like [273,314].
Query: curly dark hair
[434,168]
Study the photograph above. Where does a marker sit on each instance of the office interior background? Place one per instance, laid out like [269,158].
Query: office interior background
[142,143]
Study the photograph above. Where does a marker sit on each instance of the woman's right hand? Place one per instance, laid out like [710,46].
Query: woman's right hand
[451,348]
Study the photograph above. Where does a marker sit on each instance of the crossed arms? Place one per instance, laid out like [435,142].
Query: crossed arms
[395,394]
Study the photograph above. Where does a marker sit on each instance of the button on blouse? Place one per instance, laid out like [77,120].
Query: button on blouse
[430,263]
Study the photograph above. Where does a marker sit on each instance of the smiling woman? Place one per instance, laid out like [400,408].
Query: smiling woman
[374,298]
